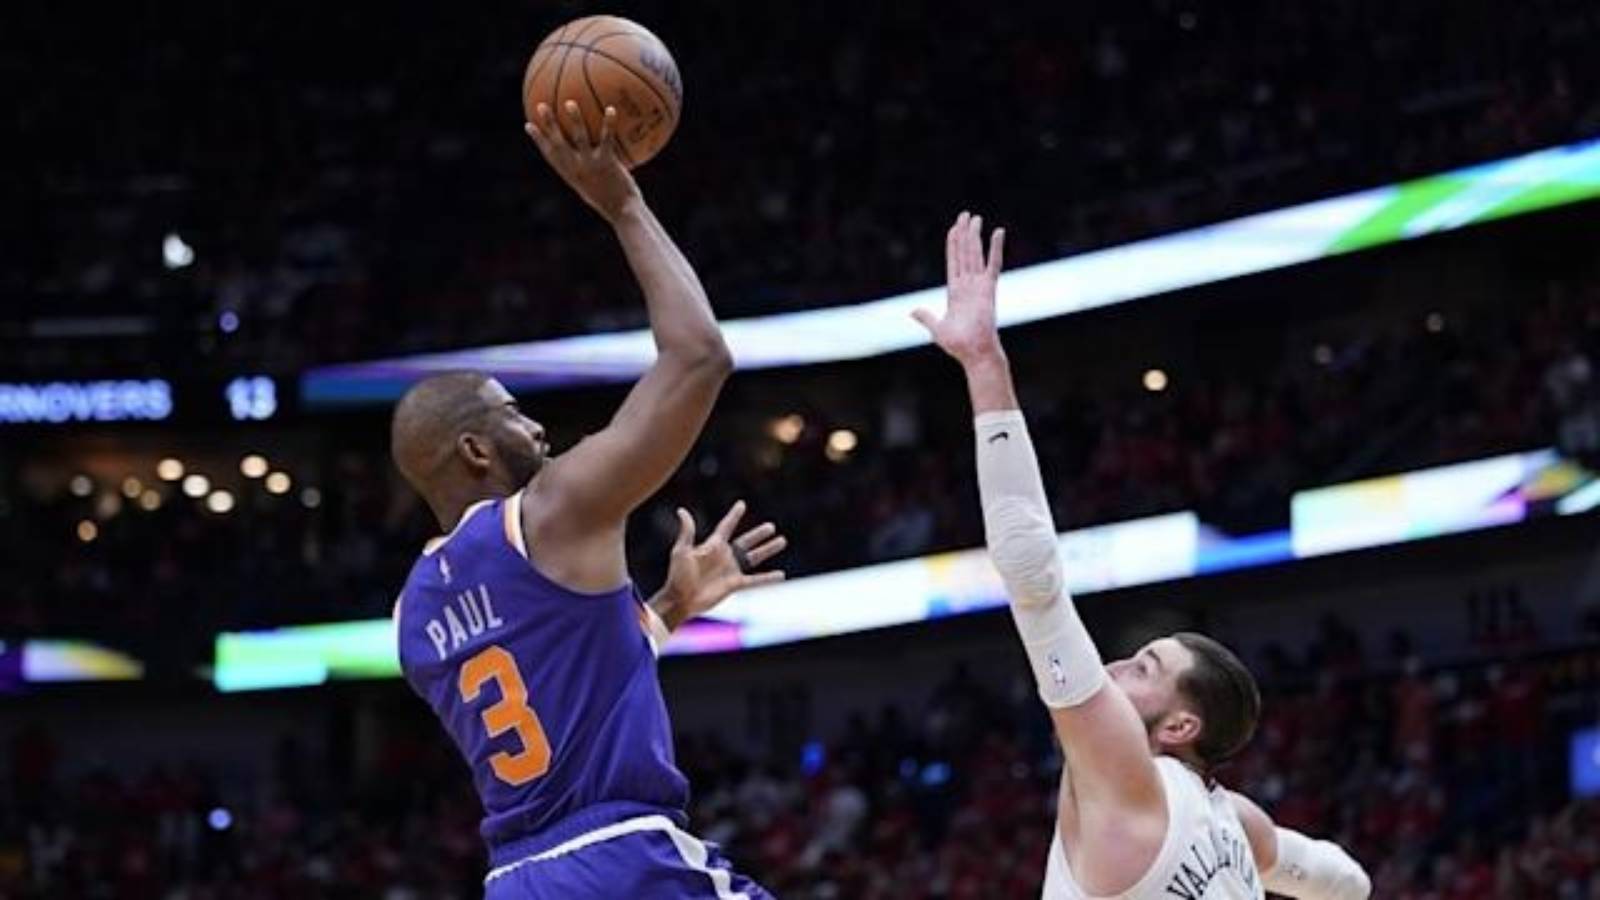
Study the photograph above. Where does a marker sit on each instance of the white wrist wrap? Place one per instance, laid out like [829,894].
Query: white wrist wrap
[656,630]
[1022,544]
[1315,870]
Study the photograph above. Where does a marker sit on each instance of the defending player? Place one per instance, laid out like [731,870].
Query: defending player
[520,627]
[1139,816]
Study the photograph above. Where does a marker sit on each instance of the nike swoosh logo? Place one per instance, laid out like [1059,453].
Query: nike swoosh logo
[1000,436]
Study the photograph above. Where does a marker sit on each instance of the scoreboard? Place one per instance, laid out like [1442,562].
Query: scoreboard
[245,397]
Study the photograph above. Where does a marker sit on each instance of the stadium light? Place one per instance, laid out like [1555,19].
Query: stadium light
[278,483]
[132,487]
[107,506]
[196,486]
[253,466]
[81,486]
[175,254]
[1155,381]
[841,443]
[220,502]
[88,531]
[150,500]
[169,469]
[788,429]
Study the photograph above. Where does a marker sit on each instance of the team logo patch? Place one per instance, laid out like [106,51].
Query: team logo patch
[1057,672]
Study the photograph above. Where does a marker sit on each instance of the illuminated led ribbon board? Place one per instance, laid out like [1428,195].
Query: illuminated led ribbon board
[1260,243]
[59,661]
[1378,512]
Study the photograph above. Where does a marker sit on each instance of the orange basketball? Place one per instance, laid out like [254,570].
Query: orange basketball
[601,61]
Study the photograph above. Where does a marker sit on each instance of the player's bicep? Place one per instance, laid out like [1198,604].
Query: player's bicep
[1259,830]
[1108,754]
[610,473]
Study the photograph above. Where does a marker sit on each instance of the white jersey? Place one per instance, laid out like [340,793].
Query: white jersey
[1205,855]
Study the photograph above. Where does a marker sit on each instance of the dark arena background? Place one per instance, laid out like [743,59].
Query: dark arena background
[1304,306]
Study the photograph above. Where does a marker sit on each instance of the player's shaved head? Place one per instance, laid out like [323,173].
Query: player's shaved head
[429,418]
[458,437]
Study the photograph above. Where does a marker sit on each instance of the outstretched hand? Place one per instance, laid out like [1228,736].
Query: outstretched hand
[703,575]
[967,330]
[589,166]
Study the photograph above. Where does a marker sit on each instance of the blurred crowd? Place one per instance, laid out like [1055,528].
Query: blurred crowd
[1448,782]
[218,183]
[1231,445]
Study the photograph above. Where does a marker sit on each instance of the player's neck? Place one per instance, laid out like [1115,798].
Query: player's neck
[1192,764]
[453,504]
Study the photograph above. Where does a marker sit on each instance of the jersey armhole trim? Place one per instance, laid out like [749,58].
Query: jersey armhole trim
[394,616]
[511,519]
[512,515]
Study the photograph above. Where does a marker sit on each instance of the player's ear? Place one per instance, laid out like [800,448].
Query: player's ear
[474,451]
[1180,728]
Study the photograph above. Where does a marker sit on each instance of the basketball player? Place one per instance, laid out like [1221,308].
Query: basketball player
[520,627]
[1140,816]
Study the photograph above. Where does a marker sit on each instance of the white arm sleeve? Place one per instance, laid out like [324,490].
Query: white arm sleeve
[1315,870]
[1022,543]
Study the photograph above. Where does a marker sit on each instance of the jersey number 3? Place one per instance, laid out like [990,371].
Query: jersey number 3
[511,713]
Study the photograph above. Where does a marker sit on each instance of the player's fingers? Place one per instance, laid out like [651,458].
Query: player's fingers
[756,535]
[608,131]
[952,254]
[537,136]
[764,552]
[997,248]
[685,530]
[730,521]
[536,127]
[553,140]
[757,579]
[972,246]
[925,319]
[580,129]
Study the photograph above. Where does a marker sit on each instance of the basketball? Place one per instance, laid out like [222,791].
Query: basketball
[601,61]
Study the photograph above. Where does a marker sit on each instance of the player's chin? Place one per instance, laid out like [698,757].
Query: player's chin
[524,468]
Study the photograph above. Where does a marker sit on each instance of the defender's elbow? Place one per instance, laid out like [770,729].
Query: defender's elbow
[704,362]
[709,355]
[1360,884]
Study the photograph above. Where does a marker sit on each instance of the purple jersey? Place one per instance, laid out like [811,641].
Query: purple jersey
[550,694]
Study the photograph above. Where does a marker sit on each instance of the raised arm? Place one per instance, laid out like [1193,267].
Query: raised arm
[1116,801]
[584,496]
[1296,866]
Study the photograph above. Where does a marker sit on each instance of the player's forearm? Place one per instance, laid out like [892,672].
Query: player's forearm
[1022,542]
[670,607]
[681,319]
[1308,869]
[664,612]
[1018,526]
